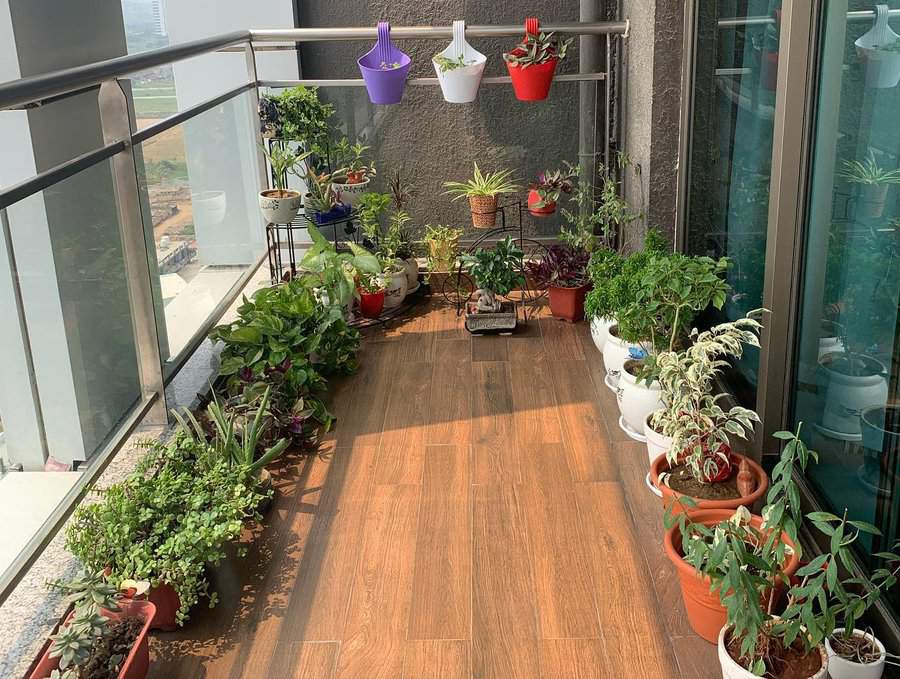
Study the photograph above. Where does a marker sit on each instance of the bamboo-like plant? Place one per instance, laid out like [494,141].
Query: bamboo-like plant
[284,161]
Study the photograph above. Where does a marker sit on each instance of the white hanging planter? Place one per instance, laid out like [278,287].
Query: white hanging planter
[841,668]
[600,331]
[882,65]
[460,84]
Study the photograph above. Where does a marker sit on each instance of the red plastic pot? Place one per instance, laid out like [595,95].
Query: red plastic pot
[532,83]
[704,608]
[371,304]
[136,664]
[167,602]
[533,199]
[568,303]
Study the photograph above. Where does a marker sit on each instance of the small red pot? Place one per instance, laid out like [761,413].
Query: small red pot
[533,199]
[532,83]
[167,602]
[568,303]
[136,664]
[371,304]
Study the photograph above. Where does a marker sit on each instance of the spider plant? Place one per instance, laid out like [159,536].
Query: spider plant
[868,172]
[483,184]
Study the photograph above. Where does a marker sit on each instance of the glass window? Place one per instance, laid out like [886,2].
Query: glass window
[847,364]
[731,153]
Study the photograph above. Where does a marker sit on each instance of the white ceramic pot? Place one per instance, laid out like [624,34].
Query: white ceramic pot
[277,209]
[351,193]
[840,668]
[460,85]
[657,444]
[731,670]
[847,395]
[411,267]
[600,330]
[396,290]
[615,353]
[209,207]
[636,402]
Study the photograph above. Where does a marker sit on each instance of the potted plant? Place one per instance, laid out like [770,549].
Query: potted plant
[700,463]
[402,248]
[873,180]
[442,245]
[351,180]
[280,205]
[104,633]
[395,280]
[296,114]
[497,272]
[323,201]
[563,271]
[605,264]
[544,193]
[879,51]
[483,191]
[532,63]
[459,67]
[384,68]
[371,289]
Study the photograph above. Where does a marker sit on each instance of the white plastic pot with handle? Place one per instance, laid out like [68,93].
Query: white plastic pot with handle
[615,352]
[460,82]
[731,670]
[600,331]
[841,668]
[882,65]
[636,401]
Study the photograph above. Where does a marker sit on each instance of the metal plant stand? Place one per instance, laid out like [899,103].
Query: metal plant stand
[281,237]
[458,287]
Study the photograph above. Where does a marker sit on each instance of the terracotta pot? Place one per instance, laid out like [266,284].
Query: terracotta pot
[371,304]
[136,664]
[660,465]
[731,670]
[568,303]
[167,602]
[841,668]
[705,612]
[533,199]
[484,211]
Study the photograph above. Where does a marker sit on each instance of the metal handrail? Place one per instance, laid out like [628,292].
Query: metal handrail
[855,15]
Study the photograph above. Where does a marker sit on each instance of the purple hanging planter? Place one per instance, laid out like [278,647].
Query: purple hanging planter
[384,68]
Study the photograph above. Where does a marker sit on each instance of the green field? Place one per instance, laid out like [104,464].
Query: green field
[154,98]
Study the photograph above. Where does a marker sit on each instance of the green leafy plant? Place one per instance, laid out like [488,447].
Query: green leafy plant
[496,271]
[369,209]
[401,190]
[371,283]
[349,159]
[284,161]
[331,274]
[304,118]
[537,49]
[448,64]
[482,184]
[442,243]
[868,172]
[166,521]
[605,264]
[692,415]
[322,196]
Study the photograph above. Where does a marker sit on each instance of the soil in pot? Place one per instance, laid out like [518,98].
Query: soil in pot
[119,641]
[681,479]
[858,649]
[785,663]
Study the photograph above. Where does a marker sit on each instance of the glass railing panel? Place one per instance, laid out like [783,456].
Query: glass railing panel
[199,185]
[71,274]
[430,141]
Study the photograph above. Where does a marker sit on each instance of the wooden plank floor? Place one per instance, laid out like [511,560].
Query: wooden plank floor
[476,513]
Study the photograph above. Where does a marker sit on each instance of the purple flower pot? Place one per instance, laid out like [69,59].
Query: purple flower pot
[384,68]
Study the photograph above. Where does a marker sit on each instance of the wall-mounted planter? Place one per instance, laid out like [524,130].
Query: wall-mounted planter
[532,82]
[460,84]
[533,199]
[882,66]
[384,68]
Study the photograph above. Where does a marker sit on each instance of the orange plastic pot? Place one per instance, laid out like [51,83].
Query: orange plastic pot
[533,82]
[568,303]
[704,610]
[136,664]
[533,199]
[661,465]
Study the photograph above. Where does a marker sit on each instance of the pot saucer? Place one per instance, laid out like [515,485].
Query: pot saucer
[834,434]
[653,489]
[631,432]
[612,386]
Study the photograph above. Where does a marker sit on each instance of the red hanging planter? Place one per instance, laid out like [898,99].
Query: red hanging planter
[532,75]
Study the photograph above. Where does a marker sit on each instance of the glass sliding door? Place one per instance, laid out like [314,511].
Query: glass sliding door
[730,163]
[847,363]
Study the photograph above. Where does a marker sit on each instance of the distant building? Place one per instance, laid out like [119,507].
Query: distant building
[158,12]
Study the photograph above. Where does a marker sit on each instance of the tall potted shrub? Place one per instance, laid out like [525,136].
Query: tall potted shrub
[532,63]
[483,192]
[563,272]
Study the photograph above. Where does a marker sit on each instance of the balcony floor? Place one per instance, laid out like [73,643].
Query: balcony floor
[476,513]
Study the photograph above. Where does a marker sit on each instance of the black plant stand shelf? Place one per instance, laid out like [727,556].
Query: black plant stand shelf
[458,287]
[284,237]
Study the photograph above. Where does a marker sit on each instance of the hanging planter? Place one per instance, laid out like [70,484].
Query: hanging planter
[879,51]
[384,68]
[532,63]
[459,67]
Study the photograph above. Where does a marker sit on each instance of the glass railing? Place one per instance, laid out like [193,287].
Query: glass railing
[130,223]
